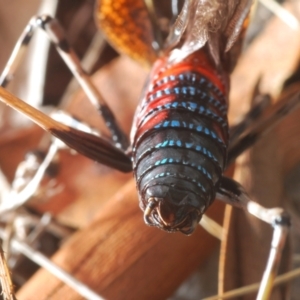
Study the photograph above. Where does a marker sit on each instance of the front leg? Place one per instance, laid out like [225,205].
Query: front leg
[108,152]
[56,34]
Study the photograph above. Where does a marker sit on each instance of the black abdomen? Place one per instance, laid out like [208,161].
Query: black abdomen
[181,135]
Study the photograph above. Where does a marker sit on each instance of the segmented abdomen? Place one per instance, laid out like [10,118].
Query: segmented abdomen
[181,130]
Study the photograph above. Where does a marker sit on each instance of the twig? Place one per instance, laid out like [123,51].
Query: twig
[255,286]
[6,282]
[283,14]
[51,267]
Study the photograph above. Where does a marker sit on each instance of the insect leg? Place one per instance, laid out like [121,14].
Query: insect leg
[233,193]
[95,147]
[56,34]
[269,117]
[157,33]
[236,131]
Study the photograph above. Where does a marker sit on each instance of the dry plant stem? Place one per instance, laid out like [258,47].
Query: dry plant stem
[4,186]
[212,227]
[16,199]
[31,220]
[281,279]
[31,238]
[44,262]
[36,62]
[283,14]
[6,282]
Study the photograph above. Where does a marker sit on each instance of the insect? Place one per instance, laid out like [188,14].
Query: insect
[180,138]
[181,124]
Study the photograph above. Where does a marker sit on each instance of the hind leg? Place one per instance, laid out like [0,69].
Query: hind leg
[233,193]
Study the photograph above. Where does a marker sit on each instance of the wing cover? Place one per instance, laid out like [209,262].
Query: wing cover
[217,23]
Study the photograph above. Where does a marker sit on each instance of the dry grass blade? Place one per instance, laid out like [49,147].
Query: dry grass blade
[6,282]
[42,260]
[212,227]
[281,13]
[255,286]
[87,144]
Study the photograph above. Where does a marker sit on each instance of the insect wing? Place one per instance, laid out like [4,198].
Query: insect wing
[127,26]
[216,23]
